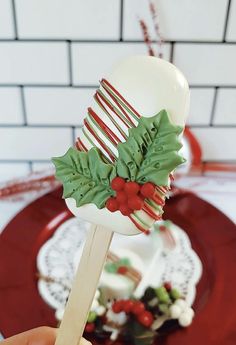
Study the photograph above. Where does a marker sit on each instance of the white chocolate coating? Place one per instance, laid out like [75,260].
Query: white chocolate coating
[149,84]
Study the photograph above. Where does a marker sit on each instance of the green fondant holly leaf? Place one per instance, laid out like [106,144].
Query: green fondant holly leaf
[85,176]
[150,153]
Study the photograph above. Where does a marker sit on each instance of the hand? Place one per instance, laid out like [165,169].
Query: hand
[37,336]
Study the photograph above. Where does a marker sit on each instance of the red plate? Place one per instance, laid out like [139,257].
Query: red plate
[213,237]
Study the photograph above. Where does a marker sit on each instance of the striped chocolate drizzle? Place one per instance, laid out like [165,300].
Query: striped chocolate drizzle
[113,112]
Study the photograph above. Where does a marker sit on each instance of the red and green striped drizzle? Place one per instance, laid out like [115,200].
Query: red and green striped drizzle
[117,108]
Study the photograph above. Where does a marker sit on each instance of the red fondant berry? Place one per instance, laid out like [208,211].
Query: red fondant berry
[112,204]
[117,183]
[122,270]
[90,327]
[168,286]
[148,190]
[145,318]
[121,197]
[135,202]
[117,306]
[131,188]
[125,210]
[128,305]
[138,308]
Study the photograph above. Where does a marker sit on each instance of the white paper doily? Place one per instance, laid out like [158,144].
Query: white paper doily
[58,259]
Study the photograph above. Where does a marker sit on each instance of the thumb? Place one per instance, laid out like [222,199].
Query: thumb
[37,336]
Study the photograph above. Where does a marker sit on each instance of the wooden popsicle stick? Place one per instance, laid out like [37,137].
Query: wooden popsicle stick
[84,286]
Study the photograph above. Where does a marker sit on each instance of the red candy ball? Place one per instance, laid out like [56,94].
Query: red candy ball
[145,318]
[117,306]
[128,306]
[122,270]
[125,210]
[112,204]
[117,183]
[135,202]
[121,197]
[167,286]
[131,188]
[148,190]
[90,327]
[138,308]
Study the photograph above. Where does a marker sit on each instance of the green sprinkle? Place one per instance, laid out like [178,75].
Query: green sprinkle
[162,295]
[92,316]
[175,294]
[124,262]
[111,267]
[163,308]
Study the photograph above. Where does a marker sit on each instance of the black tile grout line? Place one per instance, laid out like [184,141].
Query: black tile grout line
[30,163]
[70,64]
[202,86]
[14,19]
[65,40]
[23,105]
[226,20]
[51,126]
[121,19]
[198,86]
[79,126]
[172,52]
[227,161]
[213,107]
[219,126]
[50,86]
[73,128]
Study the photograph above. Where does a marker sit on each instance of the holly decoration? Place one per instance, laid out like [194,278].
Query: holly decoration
[85,176]
[136,308]
[140,328]
[121,266]
[144,161]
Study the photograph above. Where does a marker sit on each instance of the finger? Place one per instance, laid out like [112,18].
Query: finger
[84,342]
[37,336]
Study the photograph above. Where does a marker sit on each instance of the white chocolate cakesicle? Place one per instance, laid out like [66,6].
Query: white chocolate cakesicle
[149,85]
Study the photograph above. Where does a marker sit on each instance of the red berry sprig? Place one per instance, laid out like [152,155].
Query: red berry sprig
[90,327]
[117,183]
[137,308]
[131,188]
[129,195]
[112,204]
[148,190]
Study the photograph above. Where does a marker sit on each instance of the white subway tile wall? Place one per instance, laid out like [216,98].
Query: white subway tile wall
[11,110]
[207,64]
[201,106]
[225,107]
[92,60]
[53,53]
[24,143]
[68,19]
[7,29]
[179,20]
[13,170]
[42,166]
[231,28]
[218,144]
[57,105]
[33,62]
